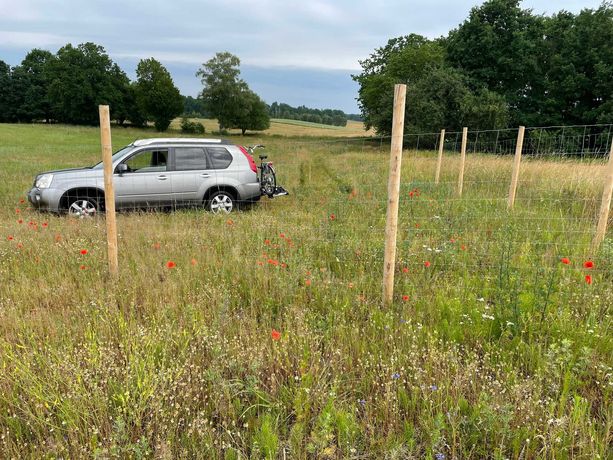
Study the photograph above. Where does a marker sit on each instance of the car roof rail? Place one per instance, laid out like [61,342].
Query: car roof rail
[178,140]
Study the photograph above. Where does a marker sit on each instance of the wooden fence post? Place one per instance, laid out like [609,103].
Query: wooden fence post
[516,164]
[605,205]
[440,157]
[109,193]
[393,192]
[462,161]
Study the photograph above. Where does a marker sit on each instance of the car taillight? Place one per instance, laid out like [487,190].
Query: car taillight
[252,164]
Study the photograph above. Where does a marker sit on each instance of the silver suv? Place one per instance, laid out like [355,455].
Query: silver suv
[155,173]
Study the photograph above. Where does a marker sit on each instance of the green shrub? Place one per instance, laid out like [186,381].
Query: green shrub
[191,127]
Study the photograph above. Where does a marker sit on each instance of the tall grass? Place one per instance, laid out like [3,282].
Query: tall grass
[493,348]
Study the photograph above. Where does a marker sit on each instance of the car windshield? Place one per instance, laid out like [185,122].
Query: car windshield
[116,155]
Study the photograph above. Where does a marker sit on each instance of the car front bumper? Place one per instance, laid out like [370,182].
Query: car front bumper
[45,199]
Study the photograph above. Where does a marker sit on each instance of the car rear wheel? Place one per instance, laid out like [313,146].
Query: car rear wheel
[221,202]
[83,207]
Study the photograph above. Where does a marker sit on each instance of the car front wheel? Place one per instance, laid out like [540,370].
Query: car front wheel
[221,202]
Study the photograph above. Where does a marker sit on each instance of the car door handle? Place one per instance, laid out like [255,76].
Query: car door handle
[162,177]
[205,175]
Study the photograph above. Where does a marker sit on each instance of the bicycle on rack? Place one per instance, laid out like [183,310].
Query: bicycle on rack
[268,177]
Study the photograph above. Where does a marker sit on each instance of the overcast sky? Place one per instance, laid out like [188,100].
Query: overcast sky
[298,52]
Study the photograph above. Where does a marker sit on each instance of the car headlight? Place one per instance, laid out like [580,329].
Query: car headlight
[44,181]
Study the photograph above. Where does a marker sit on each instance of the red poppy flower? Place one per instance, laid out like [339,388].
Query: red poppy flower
[276,335]
[19,245]
[588,264]
[45,224]
[417,225]
[283,265]
[58,238]
[307,282]
[405,298]
[463,248]
[273,262]
[20,221]
[281,235]
[83,267]
[332,217]
[565,260]
[17,210]
[267,242]
[427,264]
[230,222]
[410,194]
[194,262]
[22,201]
[10,238]
[452,240]
[260,263]
[170,264]
[588,279]
[83,251]
[405,270]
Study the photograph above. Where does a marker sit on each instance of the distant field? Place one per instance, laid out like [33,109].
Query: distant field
[281,127]
[268,338]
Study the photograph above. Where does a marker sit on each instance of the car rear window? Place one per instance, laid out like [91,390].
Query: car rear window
[219,157]
[189,158]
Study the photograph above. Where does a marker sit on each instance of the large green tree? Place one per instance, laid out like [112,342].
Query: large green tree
[438,96]
[223,88]
[228,98]
[550,70]
[81,78]
[157,96]
[579,67]
[401,60]
[502,63]
[6,93]
[251,114]
[443,98]
[31,81]
[125,106]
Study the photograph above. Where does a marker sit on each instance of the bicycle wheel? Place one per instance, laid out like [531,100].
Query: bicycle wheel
[269,181]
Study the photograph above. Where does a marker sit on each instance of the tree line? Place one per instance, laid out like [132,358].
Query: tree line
[323,116]
[504,65]
[68,86]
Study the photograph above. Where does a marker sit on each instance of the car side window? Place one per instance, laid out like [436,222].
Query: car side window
[219,157]
[190,158]
[148,161]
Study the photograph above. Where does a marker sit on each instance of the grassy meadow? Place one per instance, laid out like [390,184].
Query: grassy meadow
[494,347]
[293,128]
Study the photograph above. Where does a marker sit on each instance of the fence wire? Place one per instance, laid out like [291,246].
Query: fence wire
[335,213]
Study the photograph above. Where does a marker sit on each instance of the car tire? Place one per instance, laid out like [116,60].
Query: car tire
[83,207]
[221,202]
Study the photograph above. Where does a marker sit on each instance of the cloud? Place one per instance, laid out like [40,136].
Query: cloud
[23,40]
[23,10]
[318,35]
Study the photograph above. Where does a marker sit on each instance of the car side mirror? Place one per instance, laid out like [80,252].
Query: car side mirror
[122,168]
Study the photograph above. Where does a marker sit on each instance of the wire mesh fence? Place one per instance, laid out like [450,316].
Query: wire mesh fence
[338,197]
